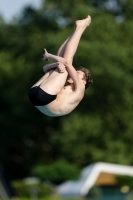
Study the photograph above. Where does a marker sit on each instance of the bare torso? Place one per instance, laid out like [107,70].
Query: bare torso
[67,97]
[66,101]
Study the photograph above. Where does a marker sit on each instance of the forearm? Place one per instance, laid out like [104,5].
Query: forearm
[57,59]
[48,67]
[69,67]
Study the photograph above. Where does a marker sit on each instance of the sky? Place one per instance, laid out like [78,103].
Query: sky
[11,8]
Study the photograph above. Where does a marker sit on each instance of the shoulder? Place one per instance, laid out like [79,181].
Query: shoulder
[77,95]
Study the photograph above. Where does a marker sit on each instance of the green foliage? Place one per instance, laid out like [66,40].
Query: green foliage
[56,173]
[61,9]
[24,190]
[100,128]
[125,180]
[116,8]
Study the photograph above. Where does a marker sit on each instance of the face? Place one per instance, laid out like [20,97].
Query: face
[80,75]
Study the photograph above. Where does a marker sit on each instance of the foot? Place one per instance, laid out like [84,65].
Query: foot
[45,55]
[84,22]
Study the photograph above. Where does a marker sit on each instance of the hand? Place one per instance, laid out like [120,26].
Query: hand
[45,55]
[61,67]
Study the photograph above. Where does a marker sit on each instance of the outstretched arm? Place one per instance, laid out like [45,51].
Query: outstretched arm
[48,67]
[48,56]
[69,67]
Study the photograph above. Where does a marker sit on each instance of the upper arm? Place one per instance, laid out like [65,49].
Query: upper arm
[73,74]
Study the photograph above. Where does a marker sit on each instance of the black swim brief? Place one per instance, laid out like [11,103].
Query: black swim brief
[38,97]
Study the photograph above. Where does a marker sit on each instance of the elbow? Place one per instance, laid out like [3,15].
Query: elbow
[44,69]
[68,63]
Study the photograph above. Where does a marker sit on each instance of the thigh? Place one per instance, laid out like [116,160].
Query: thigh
[54,82]
[41,80]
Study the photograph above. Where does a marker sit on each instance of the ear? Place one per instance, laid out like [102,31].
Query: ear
[71,81]
[84,82]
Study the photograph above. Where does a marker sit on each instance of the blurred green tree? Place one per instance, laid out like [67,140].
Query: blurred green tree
[121,9]
[57,172]
[100,129]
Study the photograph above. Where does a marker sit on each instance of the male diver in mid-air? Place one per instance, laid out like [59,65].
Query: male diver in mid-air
[52,94]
